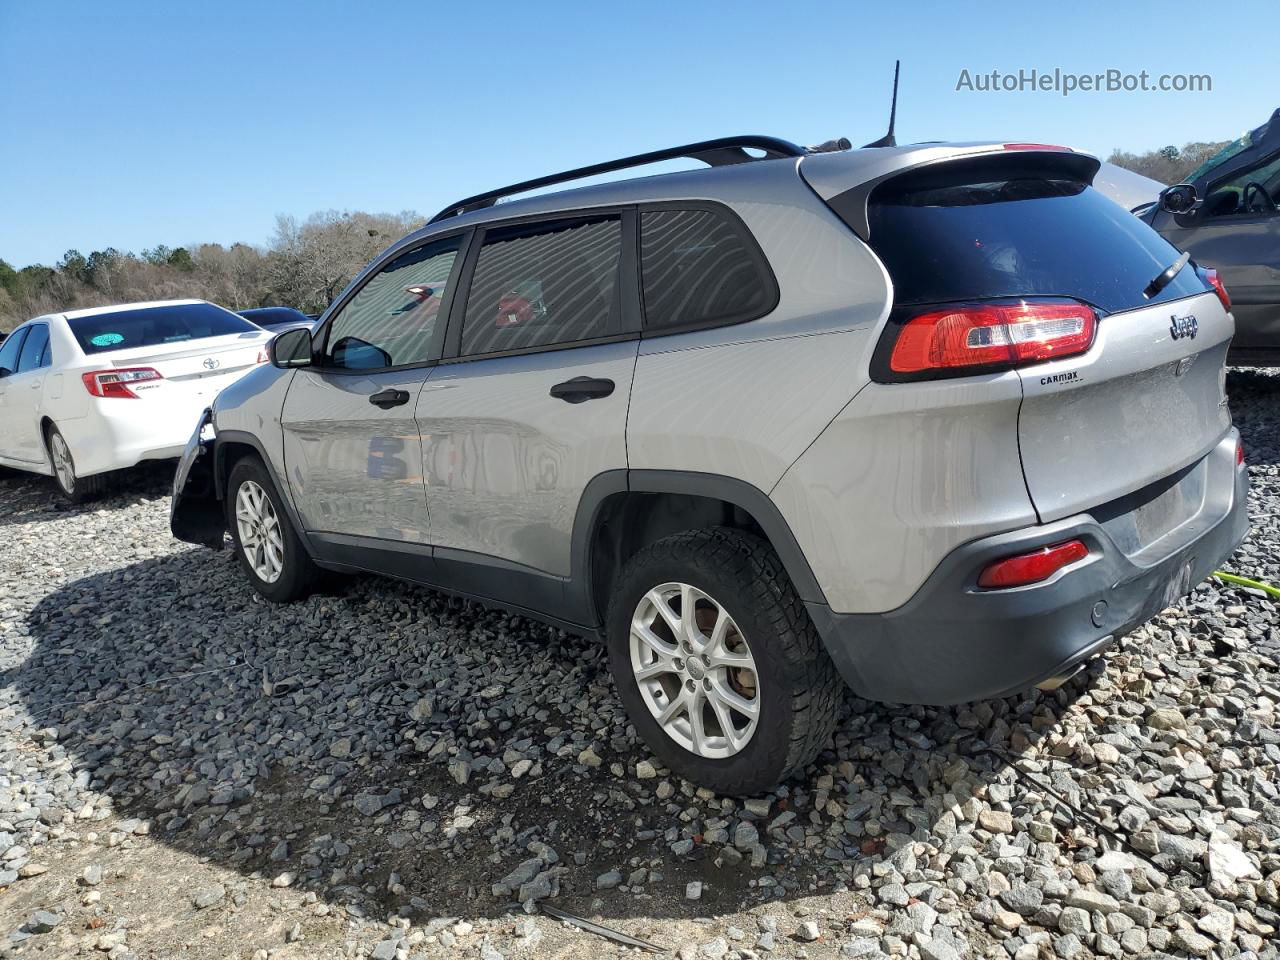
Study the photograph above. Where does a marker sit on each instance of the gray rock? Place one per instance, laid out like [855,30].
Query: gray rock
[209,896]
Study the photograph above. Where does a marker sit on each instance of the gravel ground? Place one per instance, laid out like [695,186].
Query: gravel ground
[381,772]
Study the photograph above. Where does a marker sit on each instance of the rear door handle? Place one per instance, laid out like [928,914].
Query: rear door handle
[582,388]
[390,398]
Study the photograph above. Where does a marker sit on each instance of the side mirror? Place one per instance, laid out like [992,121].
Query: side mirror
[290,349]
[1180,198]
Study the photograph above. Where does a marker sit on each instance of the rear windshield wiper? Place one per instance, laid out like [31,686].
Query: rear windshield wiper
[1166,276]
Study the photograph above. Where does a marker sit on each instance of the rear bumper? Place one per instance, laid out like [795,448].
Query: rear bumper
[128,433]
[953,642]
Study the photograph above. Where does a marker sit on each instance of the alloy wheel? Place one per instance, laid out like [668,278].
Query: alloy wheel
[63,465]
[259,530]
[695,670]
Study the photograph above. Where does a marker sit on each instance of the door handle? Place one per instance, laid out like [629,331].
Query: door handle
[582,388]
[390,398]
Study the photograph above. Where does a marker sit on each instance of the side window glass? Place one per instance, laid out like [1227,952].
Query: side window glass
[697,268]
[394,319]
[543,284]
[1238,198]
[10,349]
[37,340]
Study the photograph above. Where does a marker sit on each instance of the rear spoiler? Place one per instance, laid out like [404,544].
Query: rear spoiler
[848,190]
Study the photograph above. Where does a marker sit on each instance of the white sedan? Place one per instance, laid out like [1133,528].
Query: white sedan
[89,391]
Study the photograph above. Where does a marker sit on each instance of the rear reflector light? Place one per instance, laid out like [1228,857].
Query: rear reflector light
[1219,287]
[1239,453]
[116,383]
[967,337]
[1025,568]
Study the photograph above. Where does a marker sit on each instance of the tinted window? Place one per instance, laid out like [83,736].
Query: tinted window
[544,284]
[34,349]
[155,326]
[394,319]
[983,231]
[10,349]
[697,268]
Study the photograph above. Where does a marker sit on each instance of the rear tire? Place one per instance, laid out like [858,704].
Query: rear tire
[771,682]
[74,488]
[274,558]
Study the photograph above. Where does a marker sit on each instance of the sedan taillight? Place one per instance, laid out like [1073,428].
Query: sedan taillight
[968,338]
[117,383]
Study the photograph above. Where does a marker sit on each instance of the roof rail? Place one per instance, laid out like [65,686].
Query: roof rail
[715,153]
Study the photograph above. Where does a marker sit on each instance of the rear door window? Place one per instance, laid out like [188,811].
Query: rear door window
[34,349]
[156,326]
[698,268]
[10,349]
[538,285]
[395,319]
[981,230]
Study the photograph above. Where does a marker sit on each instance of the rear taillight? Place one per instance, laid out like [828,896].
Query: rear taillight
[1025,568]
[117,383]
[1215,281]
[262,356]
[971,338]
[1239,453]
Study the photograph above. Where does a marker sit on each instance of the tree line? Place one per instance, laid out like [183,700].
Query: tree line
[304,264]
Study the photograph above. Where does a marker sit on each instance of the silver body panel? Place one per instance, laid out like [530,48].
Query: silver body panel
[506,463]
[352,467]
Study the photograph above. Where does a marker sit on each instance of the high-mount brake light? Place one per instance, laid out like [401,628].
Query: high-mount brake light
[1215,280]
[1032,567]
[117,383]
[991,336]
[1050,147]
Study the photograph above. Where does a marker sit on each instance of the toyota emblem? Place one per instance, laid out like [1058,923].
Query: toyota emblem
[210,363]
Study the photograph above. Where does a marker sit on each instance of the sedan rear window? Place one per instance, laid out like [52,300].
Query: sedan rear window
[976,231]
[155,326]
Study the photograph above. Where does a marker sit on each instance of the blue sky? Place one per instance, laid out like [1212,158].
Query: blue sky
[132,124]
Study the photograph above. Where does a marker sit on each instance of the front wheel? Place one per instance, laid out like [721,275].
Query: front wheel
[269,551]
[718,663]
[74,488]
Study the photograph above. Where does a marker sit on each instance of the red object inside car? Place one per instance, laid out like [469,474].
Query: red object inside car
[513,310]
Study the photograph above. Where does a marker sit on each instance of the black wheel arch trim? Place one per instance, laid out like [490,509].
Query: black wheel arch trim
[739,493]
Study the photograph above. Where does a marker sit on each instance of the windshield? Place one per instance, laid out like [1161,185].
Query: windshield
[155,326]
[1232,149]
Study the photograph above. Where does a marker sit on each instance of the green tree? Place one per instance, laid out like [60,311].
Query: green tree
[181,258]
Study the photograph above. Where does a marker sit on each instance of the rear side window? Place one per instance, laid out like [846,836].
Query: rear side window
[543,284]
[698,268]
[10,349]
[36,349]
[974,231]
[394,319]
[155,327]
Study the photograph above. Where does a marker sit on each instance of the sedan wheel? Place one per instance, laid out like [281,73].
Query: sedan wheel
[63,466]
[259,530]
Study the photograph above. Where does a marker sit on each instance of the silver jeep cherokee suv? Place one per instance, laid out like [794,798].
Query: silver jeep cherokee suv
[939,421]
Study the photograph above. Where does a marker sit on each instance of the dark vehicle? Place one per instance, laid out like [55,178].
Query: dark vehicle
[278,319]
[1231,223]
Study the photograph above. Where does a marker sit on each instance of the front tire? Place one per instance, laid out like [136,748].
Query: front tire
[74,488]
[717,662]
[265,543]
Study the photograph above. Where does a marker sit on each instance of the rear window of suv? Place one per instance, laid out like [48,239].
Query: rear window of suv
[975,230]
[155,326]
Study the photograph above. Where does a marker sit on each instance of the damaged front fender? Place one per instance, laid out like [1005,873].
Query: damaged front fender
[196,514]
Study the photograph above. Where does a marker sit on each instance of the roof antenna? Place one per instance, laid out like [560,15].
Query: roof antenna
[888,139]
